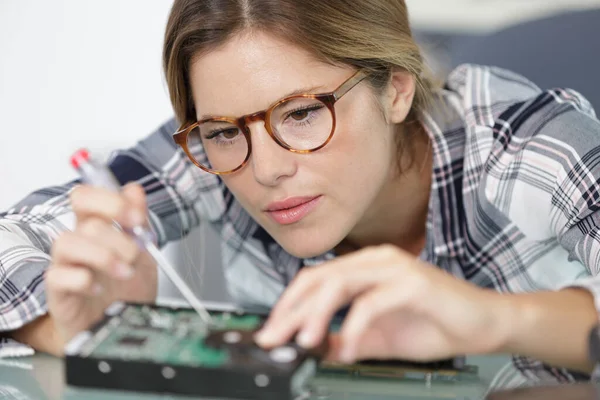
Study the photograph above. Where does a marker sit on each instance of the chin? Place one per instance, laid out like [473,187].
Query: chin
[306,246]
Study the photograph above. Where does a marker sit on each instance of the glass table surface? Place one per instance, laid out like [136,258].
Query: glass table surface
[41,377]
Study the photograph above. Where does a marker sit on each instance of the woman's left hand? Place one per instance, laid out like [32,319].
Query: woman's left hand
[401,308]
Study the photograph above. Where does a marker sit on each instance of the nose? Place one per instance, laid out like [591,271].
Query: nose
[270,162]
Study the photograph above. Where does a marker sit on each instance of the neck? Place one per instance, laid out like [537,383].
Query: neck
[399,214]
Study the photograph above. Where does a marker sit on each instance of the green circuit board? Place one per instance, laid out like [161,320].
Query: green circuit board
[165,336]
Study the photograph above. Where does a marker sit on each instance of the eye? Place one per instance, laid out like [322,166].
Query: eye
[300,114]
[229,133]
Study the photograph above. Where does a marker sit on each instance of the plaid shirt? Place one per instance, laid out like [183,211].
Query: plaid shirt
[513,204]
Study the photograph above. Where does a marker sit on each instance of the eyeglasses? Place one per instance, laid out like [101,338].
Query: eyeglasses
[301,123]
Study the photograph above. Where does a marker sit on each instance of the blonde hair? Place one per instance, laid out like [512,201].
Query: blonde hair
[373,35]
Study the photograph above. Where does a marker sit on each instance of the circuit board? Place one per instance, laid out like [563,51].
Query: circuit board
[171,350]
[165,350]
[450,368]
[139,334]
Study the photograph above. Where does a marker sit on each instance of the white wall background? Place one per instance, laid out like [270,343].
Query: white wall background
[75,73]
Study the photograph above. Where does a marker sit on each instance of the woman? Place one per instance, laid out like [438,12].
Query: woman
[309,134]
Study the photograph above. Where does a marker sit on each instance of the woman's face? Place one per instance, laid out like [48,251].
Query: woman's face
[307,202]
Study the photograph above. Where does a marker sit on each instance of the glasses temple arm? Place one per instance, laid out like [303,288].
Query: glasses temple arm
[349,84]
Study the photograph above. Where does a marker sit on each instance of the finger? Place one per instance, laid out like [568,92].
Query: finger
[371,306]
[335,348]
[89,201]
[330,297]
[322,296]
[304,282]
[348,265]
[73,249]
[123,245]
[72,280]
[327,300]
[136,196]
[281,330]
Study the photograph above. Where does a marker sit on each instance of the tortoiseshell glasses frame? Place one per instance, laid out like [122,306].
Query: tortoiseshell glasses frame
[328,99]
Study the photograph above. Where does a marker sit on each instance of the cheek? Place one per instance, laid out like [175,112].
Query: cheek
[367,156]
[364,146]
[242,185]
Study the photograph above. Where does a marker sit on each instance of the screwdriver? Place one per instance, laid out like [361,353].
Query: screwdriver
[98,174]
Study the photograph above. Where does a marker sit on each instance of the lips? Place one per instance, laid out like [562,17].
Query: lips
[292,210]
[289,203]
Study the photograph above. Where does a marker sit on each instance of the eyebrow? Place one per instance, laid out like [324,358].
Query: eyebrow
[308,90]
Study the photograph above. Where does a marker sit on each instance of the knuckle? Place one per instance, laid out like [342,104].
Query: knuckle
[369,249]
[106,258]
[76,194]
[387,250]
[416,285]
[93,227]
[364,307]
[305,274]
[336,294]
[335,286]
[309,277]
[62,243]
[49,277]
[87,281]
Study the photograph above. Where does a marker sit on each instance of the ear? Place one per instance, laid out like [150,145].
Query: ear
[399,96]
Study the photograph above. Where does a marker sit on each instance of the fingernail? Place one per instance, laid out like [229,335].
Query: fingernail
[97,289]
[263,337]
[305,339]
[124,271]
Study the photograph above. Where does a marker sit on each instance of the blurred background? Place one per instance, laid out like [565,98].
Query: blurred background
[88,73]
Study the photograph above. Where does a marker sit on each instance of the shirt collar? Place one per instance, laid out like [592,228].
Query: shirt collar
[445,128]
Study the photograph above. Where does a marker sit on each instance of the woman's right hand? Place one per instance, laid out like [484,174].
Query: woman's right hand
[97,264]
